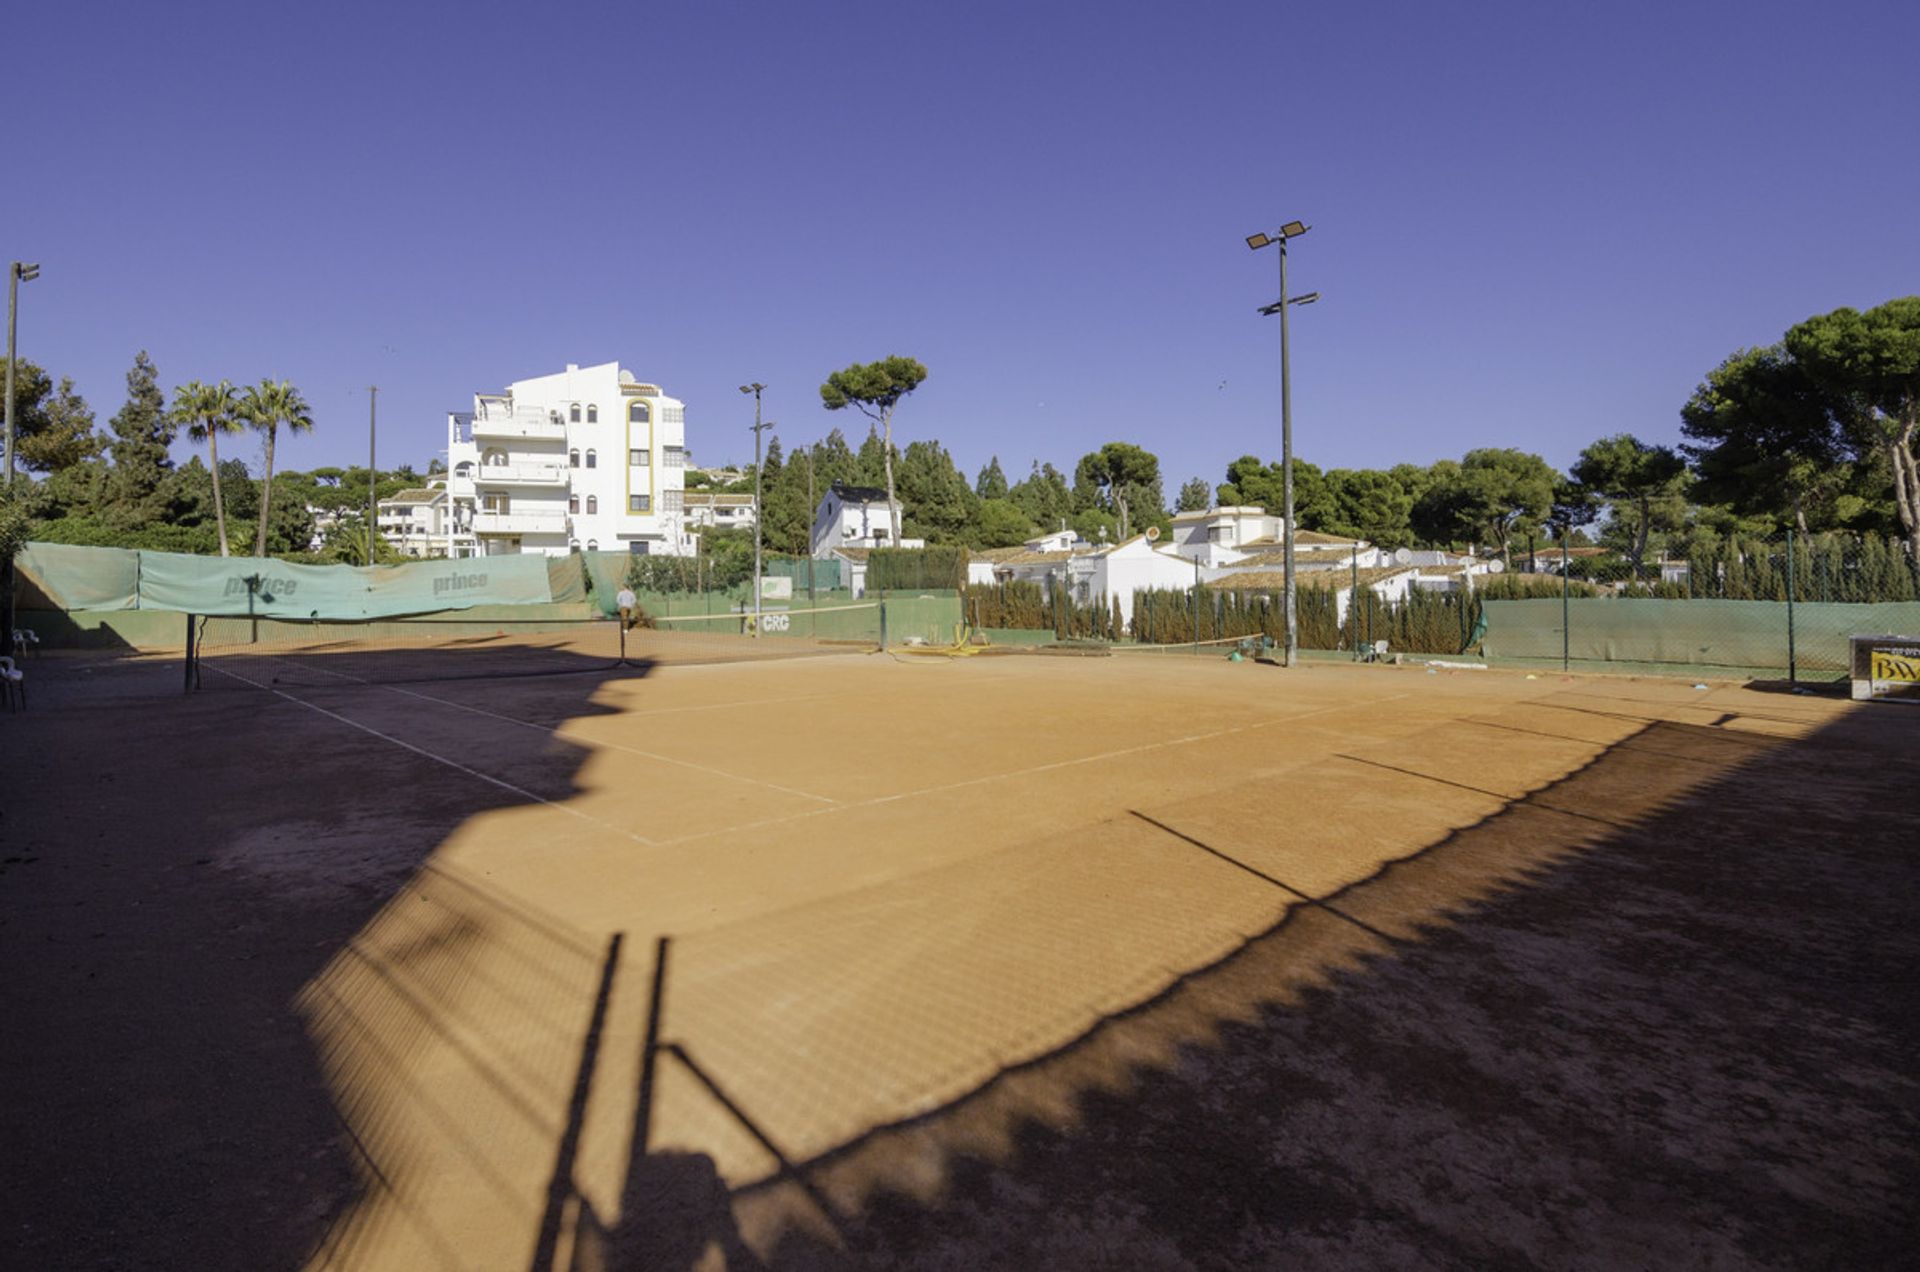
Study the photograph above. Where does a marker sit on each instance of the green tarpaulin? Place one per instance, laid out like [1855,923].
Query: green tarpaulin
[112,578]
[74,578]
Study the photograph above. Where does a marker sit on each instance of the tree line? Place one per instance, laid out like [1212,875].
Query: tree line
[1816,432]
[118,486]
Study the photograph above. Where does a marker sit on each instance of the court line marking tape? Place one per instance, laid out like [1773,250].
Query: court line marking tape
[1025,772]
[441,759]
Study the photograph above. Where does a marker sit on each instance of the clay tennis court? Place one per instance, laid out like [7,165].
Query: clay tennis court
[989,962]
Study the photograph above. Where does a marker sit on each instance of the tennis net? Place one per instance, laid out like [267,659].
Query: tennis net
[281,651]
[736,636]
[321,652]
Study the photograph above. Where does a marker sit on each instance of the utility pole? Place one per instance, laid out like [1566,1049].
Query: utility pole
[756,389]
[15,275]
[373,474]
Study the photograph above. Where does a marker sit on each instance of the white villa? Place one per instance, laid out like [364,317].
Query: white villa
[588,457]
[1223,548]
[724,512]
[855,517]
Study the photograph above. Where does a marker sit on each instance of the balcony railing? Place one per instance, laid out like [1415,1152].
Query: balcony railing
[521,426]
[520,475]
[519,523]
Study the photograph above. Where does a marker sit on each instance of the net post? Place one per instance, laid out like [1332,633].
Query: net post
[190,667]
[1793,668]
[883,620]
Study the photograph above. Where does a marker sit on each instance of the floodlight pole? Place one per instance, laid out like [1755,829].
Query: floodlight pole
[373,474]
[1292,229]
[15,273]
[756,389]
[1286,468]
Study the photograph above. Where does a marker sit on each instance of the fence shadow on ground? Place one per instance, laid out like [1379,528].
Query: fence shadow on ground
[1650,1013]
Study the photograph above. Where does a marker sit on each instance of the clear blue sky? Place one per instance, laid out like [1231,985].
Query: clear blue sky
[1533,224]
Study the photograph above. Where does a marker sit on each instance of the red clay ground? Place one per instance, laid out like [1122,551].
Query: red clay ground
[1006,962]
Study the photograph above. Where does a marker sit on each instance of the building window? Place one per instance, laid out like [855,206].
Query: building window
[638,547]
[590,460]
[639,503]
[672,501]
[637,413]
[593,505]
[573,503]
[593,413]
[593,545]
[573,413]
[638,457]
[573,459]
[673,456]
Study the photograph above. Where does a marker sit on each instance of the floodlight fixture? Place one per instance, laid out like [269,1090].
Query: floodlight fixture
[1257,241]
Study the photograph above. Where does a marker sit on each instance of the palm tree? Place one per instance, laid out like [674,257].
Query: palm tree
[207,410]
[266,406]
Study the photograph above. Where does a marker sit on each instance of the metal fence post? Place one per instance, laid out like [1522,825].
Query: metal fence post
[883,620]
[1566,608]
[1353,599]
[1793,670]
[1196,605]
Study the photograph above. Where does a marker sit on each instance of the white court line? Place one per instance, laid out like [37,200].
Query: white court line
[441,759]
[556,731]
[1025,772]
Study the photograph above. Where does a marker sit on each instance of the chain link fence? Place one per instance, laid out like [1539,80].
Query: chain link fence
[1734,606]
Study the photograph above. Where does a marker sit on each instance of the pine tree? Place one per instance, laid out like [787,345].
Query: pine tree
[992,483]
[142,431]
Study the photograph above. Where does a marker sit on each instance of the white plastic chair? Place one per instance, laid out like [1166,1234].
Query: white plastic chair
[25,641]
[13,682]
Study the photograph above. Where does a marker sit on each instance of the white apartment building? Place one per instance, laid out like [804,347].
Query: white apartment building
[414,521]
[588,458]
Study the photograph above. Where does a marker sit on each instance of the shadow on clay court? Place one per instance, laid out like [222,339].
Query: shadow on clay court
[191,887]
[1658,1012]
[1652,1014]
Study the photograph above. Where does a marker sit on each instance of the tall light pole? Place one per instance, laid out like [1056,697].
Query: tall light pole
[373,474]
[1292,229]
[756,389]
[15,276]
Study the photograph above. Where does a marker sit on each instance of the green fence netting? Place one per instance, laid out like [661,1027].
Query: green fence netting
[77,578]
[63,577]
[1749,635]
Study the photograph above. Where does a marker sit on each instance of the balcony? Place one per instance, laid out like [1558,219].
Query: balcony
[521,425]
[520,523]
[520,475]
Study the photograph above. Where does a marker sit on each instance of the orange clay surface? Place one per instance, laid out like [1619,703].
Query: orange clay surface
[911,910]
